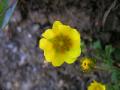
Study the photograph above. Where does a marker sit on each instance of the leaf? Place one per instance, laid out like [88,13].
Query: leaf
[3,6]
[112,86]
[97,49]
[107,54]
[114,77]
[117,55]
[6,12]
[97,45]
[83,47]
[108,50]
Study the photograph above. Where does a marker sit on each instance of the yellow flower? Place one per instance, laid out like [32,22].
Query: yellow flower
[96,86]
[60,44]
[86,64]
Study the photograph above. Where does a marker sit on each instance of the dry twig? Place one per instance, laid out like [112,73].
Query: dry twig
[108,11]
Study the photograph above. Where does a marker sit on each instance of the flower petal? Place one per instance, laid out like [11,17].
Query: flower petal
[49,55]
[45,44]
[56,25]
[57,60]
[68,36]
[75,49]
[42,43]
[96,86]
[48,34]
[74,52]
[75,35]
[70,60]
[48,49]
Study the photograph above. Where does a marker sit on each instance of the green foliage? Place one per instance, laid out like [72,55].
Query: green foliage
[108,50]
[117,54]
[6,11]
[104,55]
[83,47]
[97,50]
[96,45]
[3,7]
[107,55]
[115,75]
[113,86]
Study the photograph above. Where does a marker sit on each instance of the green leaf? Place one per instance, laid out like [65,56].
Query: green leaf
[108,50]
[113,86]
[114,76]
[83,47]
[6,11]
[107,55]
[3,6]
[117,55]
[110,87]
[96,45]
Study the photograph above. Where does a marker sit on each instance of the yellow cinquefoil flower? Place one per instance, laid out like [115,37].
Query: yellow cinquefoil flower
[86,64]
[96,86]
[60,44]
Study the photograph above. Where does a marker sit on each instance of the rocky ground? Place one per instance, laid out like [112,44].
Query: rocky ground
[22,65]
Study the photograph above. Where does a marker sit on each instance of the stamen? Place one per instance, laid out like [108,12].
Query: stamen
[62,43]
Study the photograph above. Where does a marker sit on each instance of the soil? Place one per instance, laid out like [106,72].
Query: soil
[22,64]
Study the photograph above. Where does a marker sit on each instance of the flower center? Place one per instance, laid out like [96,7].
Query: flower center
[62,43]
[97,88]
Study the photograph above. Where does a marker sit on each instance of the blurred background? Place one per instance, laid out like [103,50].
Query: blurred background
[22,65]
